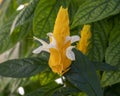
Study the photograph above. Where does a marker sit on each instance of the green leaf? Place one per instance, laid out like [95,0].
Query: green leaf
[5,83]
[46,90]
[8,9]
[4,37]
[20,33]
[73,7]
[65,91]
[22,1]
[44,18]
[26,46]
[25,15]
[83,75]
[45,77]
[92,11]
[69,89]
[112,55]
[20,68]
[9,85]
[45,15]
[81,94]
[112,90]
[7,41]
[104,66]
[99,39]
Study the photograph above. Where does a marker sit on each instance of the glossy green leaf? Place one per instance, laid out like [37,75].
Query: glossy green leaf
[92,11]
[83,75]
[112,55]
[20,68]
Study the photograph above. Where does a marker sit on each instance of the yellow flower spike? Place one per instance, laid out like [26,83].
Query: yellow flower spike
[61,31]
[85,37]
[60,47]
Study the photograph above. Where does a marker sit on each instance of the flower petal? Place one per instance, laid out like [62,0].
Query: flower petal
[43,47]
[68,38]
[72,38]
[53,41]
[41,41]
[39,49]
[69,53]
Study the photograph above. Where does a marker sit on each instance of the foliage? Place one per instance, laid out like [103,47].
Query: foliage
[96,73]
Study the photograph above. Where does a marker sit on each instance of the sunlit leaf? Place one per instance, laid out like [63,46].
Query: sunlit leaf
[45,77]
[82,94]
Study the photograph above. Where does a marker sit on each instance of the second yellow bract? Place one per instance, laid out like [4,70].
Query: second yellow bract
[85,37]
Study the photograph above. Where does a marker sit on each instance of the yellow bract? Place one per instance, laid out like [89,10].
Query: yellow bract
[61,27]
[58,60]
[85,37]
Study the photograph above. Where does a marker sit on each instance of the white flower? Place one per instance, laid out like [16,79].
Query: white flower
[45,46]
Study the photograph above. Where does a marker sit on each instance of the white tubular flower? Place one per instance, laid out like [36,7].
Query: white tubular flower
[44,46]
